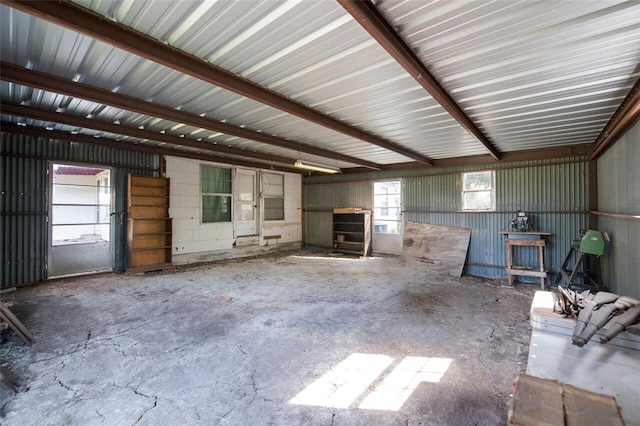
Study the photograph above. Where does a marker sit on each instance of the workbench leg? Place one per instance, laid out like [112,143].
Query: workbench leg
[509,263]
[541,260]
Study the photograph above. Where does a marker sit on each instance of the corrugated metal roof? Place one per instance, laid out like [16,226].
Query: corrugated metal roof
[530,74]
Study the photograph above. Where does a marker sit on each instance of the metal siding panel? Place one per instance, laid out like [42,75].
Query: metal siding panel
[619,193]
[319,197]
[322,199]
[353,194]
[25,162]
[319,229]
[552,190]
[24,191]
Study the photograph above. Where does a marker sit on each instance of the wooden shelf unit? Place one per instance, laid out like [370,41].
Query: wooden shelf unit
[352,231]
[149,227]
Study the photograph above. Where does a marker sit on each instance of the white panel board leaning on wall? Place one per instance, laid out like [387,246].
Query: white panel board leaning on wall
[195,240]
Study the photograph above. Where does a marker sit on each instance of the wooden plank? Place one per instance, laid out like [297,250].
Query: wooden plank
[441,249]
[149,257]
[526,272]
[536,402]
[151,240]
[7,316]
[149,226]
[141,191]
[141,200]
[510,242]
[148,181]
[585,408]
[148,212]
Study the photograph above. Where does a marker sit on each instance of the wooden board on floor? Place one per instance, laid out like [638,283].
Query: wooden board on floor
[7,316]
[441,249]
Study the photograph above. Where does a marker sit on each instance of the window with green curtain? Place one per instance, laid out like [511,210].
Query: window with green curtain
[273,196]
[215,187]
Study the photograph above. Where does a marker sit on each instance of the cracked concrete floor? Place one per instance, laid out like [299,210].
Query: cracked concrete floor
[299,338]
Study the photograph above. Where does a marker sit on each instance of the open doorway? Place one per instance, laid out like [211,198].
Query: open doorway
[80,220]
[387,217]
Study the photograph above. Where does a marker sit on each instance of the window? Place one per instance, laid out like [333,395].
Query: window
[478,191]
[215,186]
[273,196]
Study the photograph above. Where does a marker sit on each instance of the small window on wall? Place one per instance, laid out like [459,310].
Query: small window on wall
[273,196]
[215,187]
[478,191]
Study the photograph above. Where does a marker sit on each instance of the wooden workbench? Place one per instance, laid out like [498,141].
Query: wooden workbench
[525,239]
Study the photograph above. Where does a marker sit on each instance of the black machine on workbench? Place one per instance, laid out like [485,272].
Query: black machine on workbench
[586,274]
[522,222]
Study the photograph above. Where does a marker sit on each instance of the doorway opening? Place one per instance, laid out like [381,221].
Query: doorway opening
[387,217]
[80,220]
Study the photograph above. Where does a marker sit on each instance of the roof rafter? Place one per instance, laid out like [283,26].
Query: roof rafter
[86,139]
[96,26]
[625,117]
[60,85]
[118,129]
[366,14]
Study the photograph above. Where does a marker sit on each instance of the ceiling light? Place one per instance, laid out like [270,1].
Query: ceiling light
[315,167]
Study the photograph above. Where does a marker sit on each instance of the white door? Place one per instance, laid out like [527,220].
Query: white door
[245,203]
[387,217]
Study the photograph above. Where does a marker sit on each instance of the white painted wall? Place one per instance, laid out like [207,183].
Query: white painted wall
[194,241]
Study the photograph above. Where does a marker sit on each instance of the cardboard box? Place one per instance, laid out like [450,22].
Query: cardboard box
[538,402]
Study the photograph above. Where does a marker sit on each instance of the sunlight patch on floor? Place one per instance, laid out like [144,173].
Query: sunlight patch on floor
[337,258]
[398,385]
[345,382]
[355,379]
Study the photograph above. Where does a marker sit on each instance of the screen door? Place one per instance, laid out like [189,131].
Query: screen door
[387,217]
[80,220]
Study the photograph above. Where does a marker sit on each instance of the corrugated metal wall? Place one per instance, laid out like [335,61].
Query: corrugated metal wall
[553,192]
[24,190]
[619,193]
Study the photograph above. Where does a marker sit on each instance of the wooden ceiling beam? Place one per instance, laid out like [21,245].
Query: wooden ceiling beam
[77,18]
[366,14]
[31,78]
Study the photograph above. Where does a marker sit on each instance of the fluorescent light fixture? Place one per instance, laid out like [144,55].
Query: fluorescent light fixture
[315,167]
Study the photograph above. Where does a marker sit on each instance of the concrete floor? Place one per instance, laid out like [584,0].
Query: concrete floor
[299,338]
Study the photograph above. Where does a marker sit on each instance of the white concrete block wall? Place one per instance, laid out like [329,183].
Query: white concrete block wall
[194,241]
[291,228]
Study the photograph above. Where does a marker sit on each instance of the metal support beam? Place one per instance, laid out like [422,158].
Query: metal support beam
[117,129]
[625,117]
[366,14]
[112,143]
[79,19]
[31,78]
